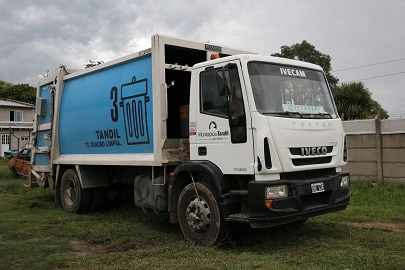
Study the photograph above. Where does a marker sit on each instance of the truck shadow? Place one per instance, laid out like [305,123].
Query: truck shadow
[242,236]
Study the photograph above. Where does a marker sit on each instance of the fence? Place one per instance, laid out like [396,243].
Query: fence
[376,149]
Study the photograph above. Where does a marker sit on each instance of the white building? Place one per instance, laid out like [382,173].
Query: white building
[16,124]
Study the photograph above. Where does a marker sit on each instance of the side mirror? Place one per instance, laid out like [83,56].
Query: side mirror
[224,79]
[222,82]
[234,121]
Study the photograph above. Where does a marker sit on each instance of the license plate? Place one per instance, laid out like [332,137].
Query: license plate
[317,187]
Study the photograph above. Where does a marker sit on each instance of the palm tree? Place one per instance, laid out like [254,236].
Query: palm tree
[379,111]
[353,101]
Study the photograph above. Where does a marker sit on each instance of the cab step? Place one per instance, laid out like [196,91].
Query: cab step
[239,217]
[239,192]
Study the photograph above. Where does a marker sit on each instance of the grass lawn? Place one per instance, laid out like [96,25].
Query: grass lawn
[35,233]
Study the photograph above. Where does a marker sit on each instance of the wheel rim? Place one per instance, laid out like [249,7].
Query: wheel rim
[198,215]
[70,192]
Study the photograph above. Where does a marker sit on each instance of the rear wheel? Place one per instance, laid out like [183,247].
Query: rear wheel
[199,216]
[74,198]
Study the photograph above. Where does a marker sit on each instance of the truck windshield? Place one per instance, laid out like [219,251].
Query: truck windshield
[288,91]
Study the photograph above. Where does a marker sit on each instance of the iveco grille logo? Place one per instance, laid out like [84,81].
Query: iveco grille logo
[314,151]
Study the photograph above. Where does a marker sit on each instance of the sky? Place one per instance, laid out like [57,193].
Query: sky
[365,38]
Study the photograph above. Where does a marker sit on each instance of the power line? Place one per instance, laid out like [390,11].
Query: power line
[396,60]
[369,78]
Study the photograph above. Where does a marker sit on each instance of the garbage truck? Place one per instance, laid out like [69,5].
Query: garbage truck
[208,134]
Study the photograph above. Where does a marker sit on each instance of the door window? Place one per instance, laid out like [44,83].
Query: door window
[211,101]
[224,103]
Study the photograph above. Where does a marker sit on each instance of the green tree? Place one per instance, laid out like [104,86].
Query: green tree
[19,92]
[379,111]
[305,51]
[354,101]
[4,86]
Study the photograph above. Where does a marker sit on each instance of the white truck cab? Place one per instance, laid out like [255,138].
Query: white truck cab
[271,125]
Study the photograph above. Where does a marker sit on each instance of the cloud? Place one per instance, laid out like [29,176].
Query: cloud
[42,34]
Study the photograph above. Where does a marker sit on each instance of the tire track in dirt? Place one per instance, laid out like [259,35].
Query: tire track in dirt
[377,225]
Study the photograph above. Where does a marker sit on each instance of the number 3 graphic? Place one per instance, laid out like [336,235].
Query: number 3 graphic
[114,97]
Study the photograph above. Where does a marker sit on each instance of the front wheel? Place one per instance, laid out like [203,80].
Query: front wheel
[199,216]
[74,198]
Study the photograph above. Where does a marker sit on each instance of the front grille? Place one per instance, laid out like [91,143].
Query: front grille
[309,175]
[311,161]
[297,151]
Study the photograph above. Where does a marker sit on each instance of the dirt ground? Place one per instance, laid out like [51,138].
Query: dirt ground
[383,226]
[83,248]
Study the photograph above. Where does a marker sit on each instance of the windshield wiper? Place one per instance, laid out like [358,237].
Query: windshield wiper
[288,113]
[325,114]
[301,115]
[322,115]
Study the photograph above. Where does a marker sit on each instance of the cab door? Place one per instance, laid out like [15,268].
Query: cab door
[223,128]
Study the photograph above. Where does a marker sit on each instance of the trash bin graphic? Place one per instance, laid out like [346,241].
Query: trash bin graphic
[133,102]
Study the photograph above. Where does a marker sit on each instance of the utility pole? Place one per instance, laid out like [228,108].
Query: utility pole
[9,141]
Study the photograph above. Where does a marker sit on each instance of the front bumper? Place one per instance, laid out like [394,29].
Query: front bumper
[301,202]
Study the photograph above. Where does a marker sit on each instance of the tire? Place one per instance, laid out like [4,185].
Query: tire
[200,218]
[74,198]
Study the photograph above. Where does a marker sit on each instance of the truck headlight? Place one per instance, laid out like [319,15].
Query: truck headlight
[345,182]
[276,192]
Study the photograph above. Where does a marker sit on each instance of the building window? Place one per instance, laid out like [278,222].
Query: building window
[25,138]
[16,116]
